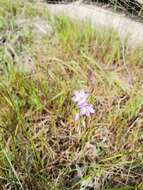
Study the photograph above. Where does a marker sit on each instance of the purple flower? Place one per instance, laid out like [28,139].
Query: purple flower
[80,97]
[85,109]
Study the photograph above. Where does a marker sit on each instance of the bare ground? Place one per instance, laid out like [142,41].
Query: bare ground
[99,17]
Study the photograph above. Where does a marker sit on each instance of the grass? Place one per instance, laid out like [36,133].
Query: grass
[41,146]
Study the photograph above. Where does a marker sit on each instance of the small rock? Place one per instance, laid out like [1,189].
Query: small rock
[42,27]
[39,25]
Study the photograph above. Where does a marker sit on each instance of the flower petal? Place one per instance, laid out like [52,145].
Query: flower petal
[90,108]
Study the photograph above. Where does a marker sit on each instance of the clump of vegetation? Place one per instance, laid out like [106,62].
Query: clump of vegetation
[41,144]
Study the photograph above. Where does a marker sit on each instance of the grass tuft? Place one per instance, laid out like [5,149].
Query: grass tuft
[42,147]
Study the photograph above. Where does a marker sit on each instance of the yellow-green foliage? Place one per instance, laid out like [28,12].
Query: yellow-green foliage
[41,145]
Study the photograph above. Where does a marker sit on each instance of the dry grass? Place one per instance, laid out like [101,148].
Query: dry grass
[42,147]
